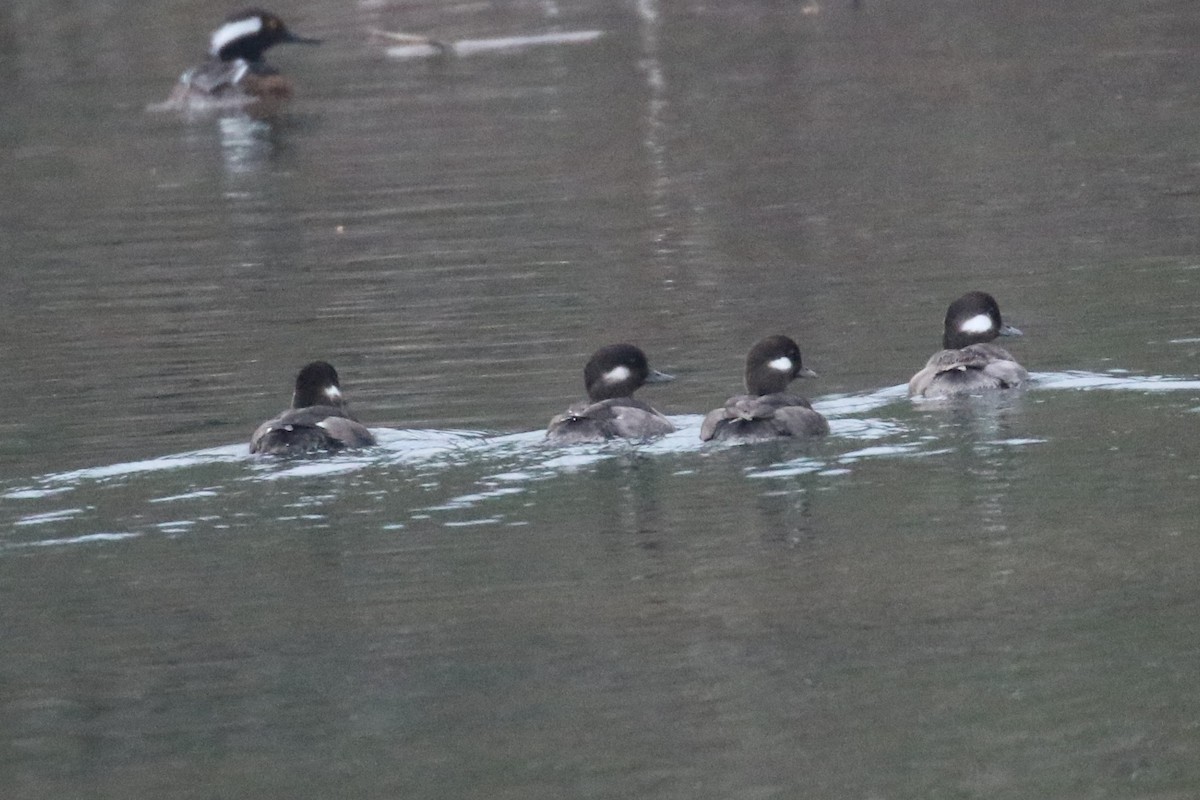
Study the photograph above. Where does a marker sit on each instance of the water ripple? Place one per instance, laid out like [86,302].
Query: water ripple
[1114,380]
[450,475]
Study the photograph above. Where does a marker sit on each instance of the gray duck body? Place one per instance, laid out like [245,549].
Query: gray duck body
[969,363]
[611,376]
[767,411]
[317,422]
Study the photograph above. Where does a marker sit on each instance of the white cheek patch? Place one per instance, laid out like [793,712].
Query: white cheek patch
[781,364]
[617,375]
[233,30]
[333,393]
[980,323]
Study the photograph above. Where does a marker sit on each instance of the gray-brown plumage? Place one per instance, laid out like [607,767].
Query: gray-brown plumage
[765,411]
[318,420]
[969,364]
[611,376]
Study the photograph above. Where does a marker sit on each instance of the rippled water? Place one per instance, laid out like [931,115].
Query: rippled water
[992,598]
[497,468]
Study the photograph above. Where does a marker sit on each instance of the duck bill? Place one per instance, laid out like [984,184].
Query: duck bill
[659,377]
[1009,330]
[805,372]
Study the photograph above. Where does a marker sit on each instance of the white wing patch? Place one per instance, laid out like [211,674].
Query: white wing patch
[980,323]
[781,364]
[617,374]
[233,30]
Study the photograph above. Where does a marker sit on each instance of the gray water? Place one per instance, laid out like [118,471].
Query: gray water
[985,599]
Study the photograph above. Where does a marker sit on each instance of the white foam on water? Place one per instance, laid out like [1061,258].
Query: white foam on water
[87,538]
[1113,380]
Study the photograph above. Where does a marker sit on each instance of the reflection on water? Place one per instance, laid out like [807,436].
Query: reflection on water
[455,581]
[497,467]
[989,598]
[245,143]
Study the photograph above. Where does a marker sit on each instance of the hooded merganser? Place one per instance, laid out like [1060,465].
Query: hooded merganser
[235,70]
[611,376]
[968,364]
[765,412]
[317,421]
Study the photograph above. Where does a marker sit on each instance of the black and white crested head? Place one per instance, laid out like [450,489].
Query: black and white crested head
[772,364]
[617,371]
[974,318]
[317,385]
[247,34]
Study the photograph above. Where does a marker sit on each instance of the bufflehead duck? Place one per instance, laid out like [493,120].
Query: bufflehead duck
[317,421]
[235,70]
[968,364]
[765,412]
[610,412]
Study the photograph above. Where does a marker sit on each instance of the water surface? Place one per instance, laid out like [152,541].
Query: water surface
[982,599]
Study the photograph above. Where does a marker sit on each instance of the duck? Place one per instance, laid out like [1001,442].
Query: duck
[235,70]
[611,376]
[318,420]
[766,412]
[968,363]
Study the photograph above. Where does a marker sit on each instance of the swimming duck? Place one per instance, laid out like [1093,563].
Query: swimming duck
[317,421]
[611,376]
[968,364]
[765,411]
[235,70]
